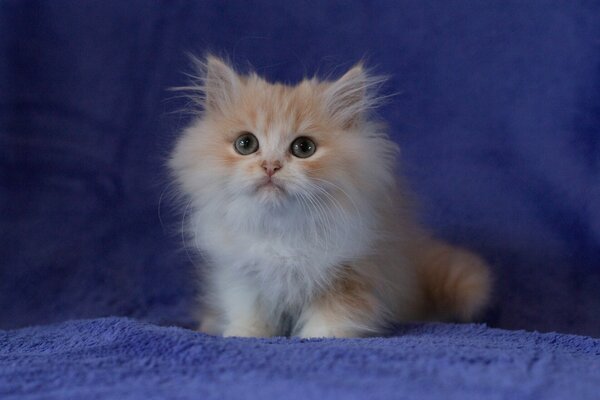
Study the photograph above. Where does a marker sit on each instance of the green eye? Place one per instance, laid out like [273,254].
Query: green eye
[246,144]
[303,147]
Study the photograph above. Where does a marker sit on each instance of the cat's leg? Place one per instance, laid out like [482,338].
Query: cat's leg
[348,309]
[243,314]
[237,302]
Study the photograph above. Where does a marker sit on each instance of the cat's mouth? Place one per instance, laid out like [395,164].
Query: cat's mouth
[270,185]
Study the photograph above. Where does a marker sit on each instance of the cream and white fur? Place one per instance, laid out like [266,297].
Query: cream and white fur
[330,248]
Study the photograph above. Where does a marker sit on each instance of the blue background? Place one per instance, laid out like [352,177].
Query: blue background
[496,110]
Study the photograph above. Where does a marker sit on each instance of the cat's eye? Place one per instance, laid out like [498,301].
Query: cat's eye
[303,147]
[246,144]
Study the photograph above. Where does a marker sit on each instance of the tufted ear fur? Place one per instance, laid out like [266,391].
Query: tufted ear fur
[220,84]
[350,97]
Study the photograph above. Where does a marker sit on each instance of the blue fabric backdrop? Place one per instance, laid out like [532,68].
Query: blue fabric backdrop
[497,112]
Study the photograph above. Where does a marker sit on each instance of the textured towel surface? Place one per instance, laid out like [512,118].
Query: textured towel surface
[124,359]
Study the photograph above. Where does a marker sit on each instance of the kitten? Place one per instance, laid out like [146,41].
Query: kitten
[304,228]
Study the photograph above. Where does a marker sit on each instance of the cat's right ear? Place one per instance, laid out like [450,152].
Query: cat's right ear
[221,84]
[350,97]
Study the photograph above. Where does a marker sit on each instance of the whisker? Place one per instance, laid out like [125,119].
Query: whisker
[356,208]
[183,223]
[320,214]
[337,206]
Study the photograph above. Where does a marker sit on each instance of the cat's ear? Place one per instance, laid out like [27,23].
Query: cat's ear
[350,97]
[221,84]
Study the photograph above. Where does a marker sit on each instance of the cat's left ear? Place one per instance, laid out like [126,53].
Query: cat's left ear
[221,84]
[349,98]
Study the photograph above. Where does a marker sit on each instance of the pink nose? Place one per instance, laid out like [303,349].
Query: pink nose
[271,167]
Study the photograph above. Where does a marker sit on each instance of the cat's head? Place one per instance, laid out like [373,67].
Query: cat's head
[272,146]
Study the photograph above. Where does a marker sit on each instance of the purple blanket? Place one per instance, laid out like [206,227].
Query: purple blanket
[117,358]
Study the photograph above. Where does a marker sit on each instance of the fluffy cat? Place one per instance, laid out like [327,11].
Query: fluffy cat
[303,225]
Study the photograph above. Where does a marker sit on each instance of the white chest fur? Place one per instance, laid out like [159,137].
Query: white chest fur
[285,272]
[285,260]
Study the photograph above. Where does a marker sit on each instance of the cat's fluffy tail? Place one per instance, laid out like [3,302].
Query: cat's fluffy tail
[456,283]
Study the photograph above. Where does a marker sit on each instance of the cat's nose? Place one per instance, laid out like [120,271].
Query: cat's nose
[271,167]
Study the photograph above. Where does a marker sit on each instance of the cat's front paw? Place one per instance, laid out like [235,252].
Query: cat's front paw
[246,330]
[324,332]
[318,327]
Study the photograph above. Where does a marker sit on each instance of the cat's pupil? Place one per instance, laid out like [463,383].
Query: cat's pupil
[305,147]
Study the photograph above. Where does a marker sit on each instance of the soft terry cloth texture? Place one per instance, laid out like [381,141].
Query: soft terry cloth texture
[123,359]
